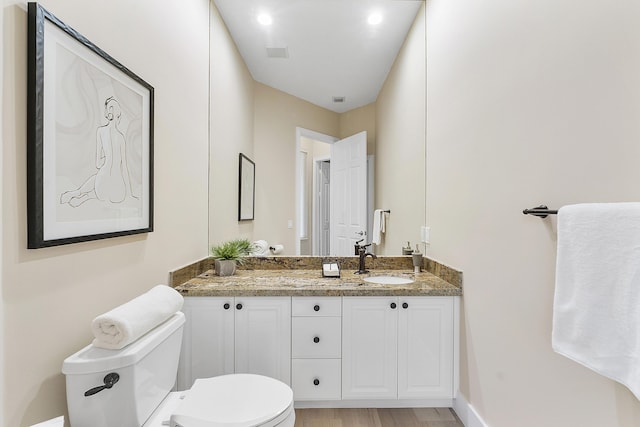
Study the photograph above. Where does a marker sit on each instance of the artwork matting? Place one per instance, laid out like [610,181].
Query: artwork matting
[89,139]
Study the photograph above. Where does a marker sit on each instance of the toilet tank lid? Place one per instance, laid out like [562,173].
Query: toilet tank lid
[93,359]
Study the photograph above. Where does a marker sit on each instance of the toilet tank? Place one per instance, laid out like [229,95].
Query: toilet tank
[146,369]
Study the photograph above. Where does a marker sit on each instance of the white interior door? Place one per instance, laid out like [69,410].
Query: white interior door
[348,184]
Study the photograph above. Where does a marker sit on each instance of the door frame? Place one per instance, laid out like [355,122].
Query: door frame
[307,133]
[316,206]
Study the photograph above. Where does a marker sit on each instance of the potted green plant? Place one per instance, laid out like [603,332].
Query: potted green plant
[227,254]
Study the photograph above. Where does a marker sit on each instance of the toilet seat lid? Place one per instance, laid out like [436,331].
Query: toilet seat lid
[238,400]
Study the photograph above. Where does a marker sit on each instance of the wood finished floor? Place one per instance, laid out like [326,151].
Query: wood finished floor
[377,417]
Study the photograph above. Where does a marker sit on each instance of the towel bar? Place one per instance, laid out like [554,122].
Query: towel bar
[540,211]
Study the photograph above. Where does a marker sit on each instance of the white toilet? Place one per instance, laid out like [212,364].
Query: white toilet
[132,388]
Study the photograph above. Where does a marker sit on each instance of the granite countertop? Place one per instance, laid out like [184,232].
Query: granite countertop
[265,279]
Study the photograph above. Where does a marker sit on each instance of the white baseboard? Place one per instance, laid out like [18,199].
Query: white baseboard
[467,413]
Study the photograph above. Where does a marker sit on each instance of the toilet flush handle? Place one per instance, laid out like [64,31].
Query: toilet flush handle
[109,380]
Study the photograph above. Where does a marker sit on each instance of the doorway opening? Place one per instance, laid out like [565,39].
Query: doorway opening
[326,204]
[313,192]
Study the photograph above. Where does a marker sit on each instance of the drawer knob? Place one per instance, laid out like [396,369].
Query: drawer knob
[226,306]
[316,340]
[393,305]
[405,305]
[316,381]
[239,306]
[316,307]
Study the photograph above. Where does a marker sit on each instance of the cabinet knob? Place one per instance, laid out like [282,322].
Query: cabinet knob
[316,339]
[405,305]
[316,307]
[393,305]
[316,381]
[226,306]
[239,306]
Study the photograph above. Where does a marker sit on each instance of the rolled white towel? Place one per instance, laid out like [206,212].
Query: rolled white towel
[129,321]
[260,248]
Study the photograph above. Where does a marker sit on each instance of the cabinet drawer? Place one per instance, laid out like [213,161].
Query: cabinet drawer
[316,379]
[316,337]
[316,306]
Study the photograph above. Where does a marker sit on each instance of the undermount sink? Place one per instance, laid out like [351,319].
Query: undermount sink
[388,280]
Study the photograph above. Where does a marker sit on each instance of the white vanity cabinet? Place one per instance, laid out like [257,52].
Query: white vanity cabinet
[207,339]
[397,348]
[333,351]
[223,335]
[316,341]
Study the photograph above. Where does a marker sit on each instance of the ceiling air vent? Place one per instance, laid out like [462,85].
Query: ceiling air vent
[338,99]
[277,52]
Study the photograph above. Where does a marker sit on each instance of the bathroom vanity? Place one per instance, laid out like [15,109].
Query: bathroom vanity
[339,342]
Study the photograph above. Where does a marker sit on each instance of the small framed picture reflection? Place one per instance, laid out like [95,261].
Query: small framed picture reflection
[247,189]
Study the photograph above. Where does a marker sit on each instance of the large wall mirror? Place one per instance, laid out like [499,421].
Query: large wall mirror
[290,78]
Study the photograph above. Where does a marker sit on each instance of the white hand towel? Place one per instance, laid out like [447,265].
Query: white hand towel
[128,322]
[379,225]
[260,248]
[596,320]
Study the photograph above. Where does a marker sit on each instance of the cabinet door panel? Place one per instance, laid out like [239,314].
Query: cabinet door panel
[369,343]
[208,340]
[263,336]
[425,348]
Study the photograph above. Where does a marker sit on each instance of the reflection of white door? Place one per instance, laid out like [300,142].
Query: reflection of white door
[348,184]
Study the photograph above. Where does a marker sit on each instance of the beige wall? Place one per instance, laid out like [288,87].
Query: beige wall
[529,102]
[231,133]
[277,115]
[357,120]
[50,296]
[400,144]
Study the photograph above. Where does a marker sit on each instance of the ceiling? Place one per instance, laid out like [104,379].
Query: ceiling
[320,49]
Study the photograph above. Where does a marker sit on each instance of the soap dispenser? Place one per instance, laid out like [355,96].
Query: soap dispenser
[407,250]
[417,260]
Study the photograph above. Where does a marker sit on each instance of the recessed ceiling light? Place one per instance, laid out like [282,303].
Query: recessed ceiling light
[264,19]
[375,18]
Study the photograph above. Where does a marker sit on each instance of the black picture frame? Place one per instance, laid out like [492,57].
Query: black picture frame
[89,139]
[246,189]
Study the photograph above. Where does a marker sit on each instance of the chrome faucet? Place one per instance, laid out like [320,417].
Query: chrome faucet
[363,254]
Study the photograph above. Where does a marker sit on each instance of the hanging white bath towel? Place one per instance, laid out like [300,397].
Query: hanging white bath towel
[596,311]
[379,225]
